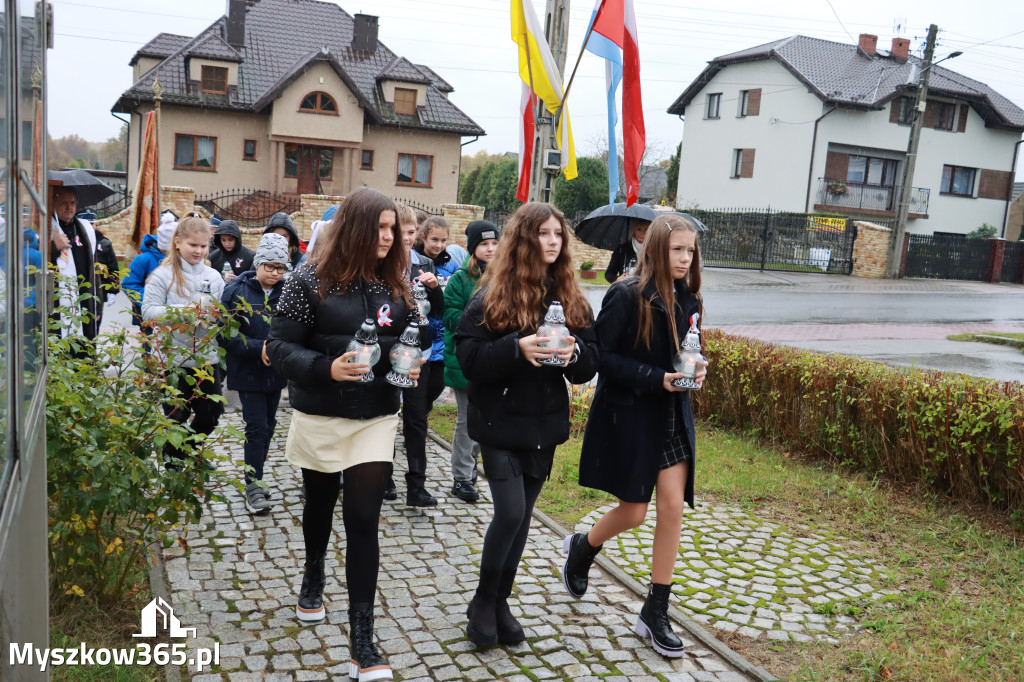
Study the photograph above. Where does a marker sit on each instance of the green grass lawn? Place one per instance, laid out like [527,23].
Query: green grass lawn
[959,570]
[999,338]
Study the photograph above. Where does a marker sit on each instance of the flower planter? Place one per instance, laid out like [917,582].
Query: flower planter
[588,274]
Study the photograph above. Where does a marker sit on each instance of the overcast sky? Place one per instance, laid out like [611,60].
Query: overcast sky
[468,43]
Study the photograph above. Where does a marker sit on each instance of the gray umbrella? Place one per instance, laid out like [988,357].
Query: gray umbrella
[88,188]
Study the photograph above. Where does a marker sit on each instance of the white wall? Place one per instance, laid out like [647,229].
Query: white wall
[783,148]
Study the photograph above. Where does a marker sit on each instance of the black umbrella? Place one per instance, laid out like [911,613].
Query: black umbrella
[88,188]
[608,227]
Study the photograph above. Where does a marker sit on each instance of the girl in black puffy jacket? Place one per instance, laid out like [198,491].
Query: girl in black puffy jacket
[341,423]
[518,407]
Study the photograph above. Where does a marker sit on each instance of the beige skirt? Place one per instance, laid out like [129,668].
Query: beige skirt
[332,444]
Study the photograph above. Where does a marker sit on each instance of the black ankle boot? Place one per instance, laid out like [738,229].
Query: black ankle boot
[654,624]
[482,612]
[365,664]
[311,594]
[576,569]
[509,629]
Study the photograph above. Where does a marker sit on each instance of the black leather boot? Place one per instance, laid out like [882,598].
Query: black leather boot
[482,612]
[579,556]
[311,594]
[365,664]
[509,629]
[654,624]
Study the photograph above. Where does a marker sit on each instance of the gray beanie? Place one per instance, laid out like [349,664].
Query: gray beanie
[273,249]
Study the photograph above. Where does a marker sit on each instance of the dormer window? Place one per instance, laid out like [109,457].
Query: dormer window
[318,103]
[405,101]
[215,79]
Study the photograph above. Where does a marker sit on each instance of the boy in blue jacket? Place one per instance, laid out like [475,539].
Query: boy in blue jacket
[249,372]
[154,249]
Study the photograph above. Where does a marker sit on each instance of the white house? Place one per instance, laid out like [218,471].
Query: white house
[803,124]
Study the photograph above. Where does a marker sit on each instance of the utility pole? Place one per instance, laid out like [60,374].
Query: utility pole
[556,31]
[905,189]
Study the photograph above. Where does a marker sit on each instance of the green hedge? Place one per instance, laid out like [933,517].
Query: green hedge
[961,434]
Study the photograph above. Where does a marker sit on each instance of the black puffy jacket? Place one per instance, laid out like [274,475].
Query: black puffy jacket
[240,257]
[308,333]
[514,405]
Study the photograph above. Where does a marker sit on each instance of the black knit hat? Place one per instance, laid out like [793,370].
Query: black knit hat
[479,230]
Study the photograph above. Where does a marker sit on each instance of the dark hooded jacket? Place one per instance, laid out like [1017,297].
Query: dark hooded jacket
[246,371]
[281,219]
[240,258]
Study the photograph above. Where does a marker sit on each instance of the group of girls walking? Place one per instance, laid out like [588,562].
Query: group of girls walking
[509,386]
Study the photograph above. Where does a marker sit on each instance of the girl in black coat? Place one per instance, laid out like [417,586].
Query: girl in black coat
[640,432]
[519,408]
[340,422]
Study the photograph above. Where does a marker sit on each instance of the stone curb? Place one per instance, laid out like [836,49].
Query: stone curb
[692,628]
[158,586]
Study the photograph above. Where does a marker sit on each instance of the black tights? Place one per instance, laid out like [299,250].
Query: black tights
[360,509]
[505,540]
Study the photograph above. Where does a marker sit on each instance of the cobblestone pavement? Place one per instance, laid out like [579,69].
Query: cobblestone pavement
[761,579]
[238,578]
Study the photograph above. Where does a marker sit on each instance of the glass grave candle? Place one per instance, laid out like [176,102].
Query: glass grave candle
[689,357]
[366,347]
[554,328]
[405,356]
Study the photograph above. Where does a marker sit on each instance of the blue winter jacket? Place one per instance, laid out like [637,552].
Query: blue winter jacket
[32,262]
[246,371]
[445,266]
[148,260]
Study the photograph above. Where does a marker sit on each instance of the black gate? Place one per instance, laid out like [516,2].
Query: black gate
[1013,263]
[948,257]
[248,207]
[763,240]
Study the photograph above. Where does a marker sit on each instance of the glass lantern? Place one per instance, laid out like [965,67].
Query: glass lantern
[405,356]
[366,347]
[689,357]
[419,294]
[630,268]
[555,329]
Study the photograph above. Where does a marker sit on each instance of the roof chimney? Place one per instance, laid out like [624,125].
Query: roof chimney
[364,33]
[234,23]
[900,49]
[867,43]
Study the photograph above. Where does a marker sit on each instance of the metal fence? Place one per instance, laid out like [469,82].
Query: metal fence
[948,257]
[1013,262]
[248,207]
[113,204]
[766,240]
[417,206]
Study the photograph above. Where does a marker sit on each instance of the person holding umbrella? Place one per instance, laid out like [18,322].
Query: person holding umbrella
[74,255]
[627,254]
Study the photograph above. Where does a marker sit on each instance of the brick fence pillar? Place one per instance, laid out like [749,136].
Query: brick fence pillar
[870,250]
[458,216]
[997,247]
[903,256]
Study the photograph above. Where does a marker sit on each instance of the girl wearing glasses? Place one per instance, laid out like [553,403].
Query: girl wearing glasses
[252,298]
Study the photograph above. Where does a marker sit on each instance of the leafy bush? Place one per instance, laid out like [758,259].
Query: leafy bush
[110,498]
[587,265]
[961,434]
[984,231]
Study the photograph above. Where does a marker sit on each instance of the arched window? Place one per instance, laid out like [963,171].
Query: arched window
[318,103]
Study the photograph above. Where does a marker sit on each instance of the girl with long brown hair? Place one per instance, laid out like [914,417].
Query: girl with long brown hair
[341,422]
[518,404]
[640,432]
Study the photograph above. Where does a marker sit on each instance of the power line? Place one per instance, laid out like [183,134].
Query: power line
[838,19]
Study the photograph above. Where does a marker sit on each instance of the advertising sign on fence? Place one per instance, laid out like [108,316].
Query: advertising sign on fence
[820,223]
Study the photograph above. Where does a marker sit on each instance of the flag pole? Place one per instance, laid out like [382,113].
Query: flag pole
[565,95]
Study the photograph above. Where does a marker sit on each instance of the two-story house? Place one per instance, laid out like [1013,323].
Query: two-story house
[295,97]
[803,124]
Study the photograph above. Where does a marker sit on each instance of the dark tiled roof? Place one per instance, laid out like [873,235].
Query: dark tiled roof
[841,74]
[212,46]
[282,39]
[401,69]
[164,45]
[438,82]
